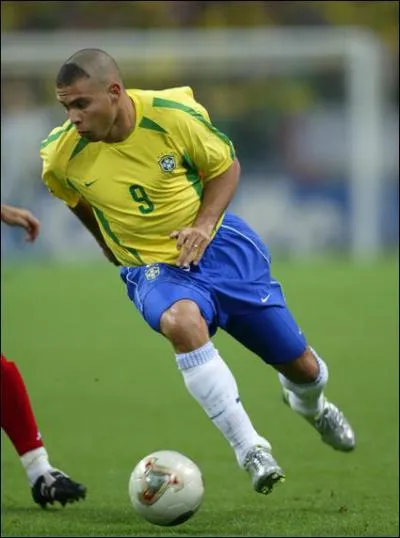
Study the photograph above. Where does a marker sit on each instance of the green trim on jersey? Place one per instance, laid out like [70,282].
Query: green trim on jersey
[55,136]
[106,225]
[83,142]
[193,175]
[72,185]
[135,253]
[166,103]
[147,123]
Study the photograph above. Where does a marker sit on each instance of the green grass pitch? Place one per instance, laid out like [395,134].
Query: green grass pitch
[106,392]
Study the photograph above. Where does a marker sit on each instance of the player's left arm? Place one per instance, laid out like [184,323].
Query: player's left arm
[217,194]
[212,154]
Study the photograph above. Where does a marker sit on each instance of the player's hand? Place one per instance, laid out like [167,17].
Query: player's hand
[14,216]
[109,255]
[191,242]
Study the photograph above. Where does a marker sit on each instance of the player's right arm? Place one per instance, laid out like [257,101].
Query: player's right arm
[58,185]
[83,210]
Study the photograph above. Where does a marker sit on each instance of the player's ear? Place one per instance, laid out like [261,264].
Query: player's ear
[115,91]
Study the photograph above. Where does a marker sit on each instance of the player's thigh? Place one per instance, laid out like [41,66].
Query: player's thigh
[271,333]
[154,291]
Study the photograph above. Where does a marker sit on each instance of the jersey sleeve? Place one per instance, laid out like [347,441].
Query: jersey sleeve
[210,151]
[53,175]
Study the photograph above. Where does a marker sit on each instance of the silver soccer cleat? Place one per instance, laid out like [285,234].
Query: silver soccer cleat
[334,428]
[332,425]
[263,469]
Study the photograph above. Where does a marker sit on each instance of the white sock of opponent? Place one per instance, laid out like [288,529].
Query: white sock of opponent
[211,383]
[307,399]
[36,463]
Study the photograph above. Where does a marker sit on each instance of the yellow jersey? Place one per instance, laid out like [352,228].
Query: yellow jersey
[148,185]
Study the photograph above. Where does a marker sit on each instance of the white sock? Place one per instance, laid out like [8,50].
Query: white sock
[307,399]
[36,463]
[211,383]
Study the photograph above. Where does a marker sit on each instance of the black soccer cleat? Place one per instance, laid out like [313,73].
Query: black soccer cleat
[55,486]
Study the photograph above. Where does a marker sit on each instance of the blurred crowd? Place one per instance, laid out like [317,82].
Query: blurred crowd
[278,105]
[290,126]
[55,15]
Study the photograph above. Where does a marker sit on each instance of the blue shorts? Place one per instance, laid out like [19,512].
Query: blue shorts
[233,289]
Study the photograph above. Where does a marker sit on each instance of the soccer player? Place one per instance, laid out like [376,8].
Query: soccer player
[17,419]
[151,177]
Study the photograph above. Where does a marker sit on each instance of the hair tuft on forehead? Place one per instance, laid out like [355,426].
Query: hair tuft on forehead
[88,63]
[70,73]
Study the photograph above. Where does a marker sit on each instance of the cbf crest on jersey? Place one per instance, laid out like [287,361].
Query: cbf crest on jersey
[152,272]
[167,162]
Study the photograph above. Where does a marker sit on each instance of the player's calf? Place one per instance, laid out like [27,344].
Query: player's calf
[303,381]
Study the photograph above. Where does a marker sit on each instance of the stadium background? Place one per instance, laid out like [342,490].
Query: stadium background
[66,320]
[290,125]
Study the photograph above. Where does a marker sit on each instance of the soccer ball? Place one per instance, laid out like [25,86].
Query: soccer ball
[166,488]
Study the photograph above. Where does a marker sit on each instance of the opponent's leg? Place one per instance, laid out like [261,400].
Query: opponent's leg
[211,383]
[18,421]
[273,334]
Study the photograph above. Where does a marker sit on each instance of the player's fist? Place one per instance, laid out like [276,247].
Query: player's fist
[192,243]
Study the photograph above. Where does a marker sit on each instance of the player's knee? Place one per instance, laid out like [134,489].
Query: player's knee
[304,369]
[184,326]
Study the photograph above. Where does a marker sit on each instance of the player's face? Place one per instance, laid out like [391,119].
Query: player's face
[92,108]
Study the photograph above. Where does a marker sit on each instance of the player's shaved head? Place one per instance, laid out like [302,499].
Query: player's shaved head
[90,88]
[89,63]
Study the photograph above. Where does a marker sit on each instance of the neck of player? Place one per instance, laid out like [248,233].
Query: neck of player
[124,123]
